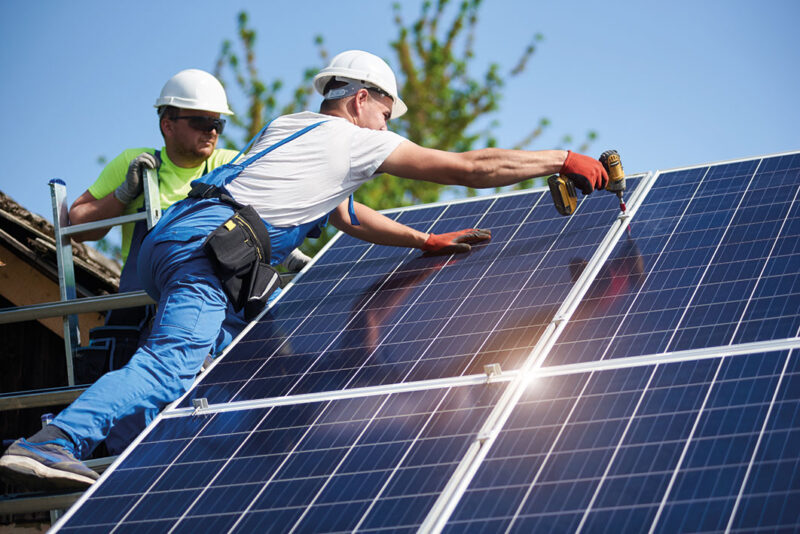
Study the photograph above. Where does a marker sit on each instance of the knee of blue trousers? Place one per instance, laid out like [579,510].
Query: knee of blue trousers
[185,329]
[233,324]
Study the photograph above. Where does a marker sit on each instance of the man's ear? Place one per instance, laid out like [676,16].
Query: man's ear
[167,126]
[362,96]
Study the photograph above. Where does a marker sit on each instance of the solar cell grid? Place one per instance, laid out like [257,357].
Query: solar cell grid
[666,447]
[375,461]
[703,445]
[335,319]
[428,317]
[711,260]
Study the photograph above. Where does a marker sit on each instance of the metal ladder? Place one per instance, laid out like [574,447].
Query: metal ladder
[68,308]
[66,270]
[69,305]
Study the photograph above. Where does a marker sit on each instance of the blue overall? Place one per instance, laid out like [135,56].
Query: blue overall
[194,314]
[126,429]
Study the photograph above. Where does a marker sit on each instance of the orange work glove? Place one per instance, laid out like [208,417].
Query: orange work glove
[454,242]
[586,173]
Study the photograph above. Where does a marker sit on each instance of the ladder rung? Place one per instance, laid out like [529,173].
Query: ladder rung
[24,504]
[37,399]
[105,223]
[82,305]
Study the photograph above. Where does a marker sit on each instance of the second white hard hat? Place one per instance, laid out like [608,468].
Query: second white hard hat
[366,68]
[194,89]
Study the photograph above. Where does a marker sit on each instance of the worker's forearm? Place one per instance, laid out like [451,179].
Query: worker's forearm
[88,209]
[379,229]
[487,167]
[497,167]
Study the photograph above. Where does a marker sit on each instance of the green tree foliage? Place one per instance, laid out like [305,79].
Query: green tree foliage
[450,107]
[262,97]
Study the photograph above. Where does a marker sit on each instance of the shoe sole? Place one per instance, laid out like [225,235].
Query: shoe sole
[32,474]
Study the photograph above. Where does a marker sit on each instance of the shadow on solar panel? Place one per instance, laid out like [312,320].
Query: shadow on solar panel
[398,317]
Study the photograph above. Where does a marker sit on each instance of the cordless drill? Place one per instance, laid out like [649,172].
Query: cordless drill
[563,190]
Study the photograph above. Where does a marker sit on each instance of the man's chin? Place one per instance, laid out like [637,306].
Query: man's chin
[205,151]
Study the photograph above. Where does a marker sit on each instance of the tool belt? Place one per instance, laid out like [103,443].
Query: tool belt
[239,250]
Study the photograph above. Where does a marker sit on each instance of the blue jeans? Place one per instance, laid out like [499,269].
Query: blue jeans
[192,308]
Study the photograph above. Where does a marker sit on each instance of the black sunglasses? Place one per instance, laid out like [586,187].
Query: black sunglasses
[202,123]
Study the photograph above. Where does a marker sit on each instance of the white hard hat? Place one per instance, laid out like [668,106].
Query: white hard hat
[194,89]
[369,69]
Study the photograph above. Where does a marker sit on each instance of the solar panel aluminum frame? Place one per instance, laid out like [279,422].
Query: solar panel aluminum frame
[707,353]
[324,396]
[727,162]
[455,202]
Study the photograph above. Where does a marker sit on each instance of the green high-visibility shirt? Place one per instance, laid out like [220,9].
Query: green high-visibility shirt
[173,182]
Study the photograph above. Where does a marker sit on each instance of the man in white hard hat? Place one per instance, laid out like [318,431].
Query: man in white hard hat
[299,174]
[190,109]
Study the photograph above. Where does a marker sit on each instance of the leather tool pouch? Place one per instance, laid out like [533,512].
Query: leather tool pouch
[239,250]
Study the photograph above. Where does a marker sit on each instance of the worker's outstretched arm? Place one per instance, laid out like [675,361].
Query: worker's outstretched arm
[491,167]
[376,228]
[381,230]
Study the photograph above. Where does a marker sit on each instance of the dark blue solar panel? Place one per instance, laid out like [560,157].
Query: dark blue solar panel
[676,446]
[397,316]
[707,445]
[378,462]
[712,258]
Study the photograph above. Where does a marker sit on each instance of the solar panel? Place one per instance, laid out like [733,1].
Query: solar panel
[365,462]
[710,261]
[649,378]
[387,315]
[668,448]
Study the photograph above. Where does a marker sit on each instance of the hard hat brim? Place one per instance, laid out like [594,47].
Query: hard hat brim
[188,104]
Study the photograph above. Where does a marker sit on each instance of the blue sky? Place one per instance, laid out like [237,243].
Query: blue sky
[668,84]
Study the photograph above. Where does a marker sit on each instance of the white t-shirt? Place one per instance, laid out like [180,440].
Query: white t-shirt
[309,176]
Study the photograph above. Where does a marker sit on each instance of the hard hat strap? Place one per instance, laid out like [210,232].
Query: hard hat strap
[352,87]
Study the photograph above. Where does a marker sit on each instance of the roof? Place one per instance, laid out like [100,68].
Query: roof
[31,238]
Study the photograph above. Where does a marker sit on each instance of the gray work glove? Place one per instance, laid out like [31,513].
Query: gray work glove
[295,261]
[132,186]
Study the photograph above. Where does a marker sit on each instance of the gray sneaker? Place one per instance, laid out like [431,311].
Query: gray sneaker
[45,465]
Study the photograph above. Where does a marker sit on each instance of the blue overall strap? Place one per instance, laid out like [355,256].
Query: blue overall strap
[351,209]
[225,174]
[250,142]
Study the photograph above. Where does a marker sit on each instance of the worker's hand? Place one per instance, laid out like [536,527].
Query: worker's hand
[586,173]
[295,261]
[455,242]
[132,186]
